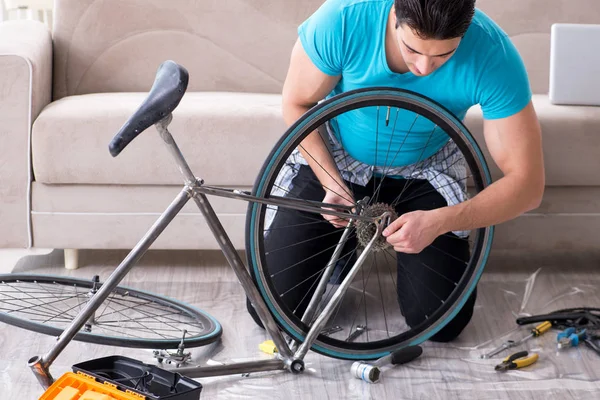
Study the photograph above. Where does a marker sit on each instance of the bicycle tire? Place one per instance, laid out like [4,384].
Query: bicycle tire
[208,328]
[314,118]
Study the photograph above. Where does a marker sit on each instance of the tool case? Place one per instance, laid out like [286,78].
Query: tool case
[124,378]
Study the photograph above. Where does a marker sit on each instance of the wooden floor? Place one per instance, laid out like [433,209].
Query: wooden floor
[512,285]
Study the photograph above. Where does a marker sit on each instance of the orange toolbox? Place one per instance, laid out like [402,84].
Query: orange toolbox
[77,386]
[121,378]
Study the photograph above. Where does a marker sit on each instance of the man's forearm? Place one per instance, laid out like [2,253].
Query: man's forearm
[503,200]
[315,152]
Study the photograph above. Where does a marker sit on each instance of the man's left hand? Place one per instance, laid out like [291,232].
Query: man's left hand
[412,232]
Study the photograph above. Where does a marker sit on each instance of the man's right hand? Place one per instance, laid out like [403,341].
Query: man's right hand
[340,195]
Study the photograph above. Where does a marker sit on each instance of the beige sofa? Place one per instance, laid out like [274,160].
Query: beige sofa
[63,96]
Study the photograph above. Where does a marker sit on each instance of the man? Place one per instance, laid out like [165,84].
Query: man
[446,50]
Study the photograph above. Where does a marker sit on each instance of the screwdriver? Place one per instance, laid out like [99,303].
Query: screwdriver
[538,330]
[535,332]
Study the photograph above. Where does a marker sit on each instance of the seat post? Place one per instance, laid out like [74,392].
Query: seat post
[184,168]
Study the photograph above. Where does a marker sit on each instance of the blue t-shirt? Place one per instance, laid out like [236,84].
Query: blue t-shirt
[347,38]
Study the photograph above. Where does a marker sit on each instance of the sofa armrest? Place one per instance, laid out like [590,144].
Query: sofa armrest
[25,89]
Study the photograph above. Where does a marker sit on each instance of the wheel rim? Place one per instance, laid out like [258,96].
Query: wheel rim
[127,318]
[479,251]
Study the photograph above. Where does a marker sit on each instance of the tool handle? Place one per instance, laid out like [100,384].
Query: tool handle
[406,354]
[515,356]
[578,337]
[565,334]
[549,317]
[518,360]
[541,328]
[524,362]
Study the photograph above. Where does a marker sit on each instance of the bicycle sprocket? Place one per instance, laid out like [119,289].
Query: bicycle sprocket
[365,230]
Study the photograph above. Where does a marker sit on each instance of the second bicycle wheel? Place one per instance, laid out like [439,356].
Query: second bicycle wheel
[127,318]
[414,155]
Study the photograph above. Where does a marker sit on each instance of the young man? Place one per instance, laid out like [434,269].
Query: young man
[448,51]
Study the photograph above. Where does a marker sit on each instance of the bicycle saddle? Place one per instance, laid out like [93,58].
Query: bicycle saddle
[166,93]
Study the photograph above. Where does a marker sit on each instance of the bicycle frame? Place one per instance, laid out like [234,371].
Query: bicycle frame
[289,357]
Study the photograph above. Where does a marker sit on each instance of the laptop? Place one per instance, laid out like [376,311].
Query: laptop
[575,64]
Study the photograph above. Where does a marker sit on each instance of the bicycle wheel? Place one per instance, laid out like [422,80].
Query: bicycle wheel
[127,318]
[405,125]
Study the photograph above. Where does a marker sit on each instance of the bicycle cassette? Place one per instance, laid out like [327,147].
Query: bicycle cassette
[365,230]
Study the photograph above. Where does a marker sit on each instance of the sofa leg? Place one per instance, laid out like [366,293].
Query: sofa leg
[71,258]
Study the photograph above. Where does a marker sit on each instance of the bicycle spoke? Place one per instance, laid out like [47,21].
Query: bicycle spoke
[133,321]
[167,315]
[397,151]
[405,133]
[52,317]
[34,304]
[361,302]
[421,282]
[294,225]
[412,287]
[303,241]
[436,272]
[339,280]
[321,271]
[414,195]
[334,179]
[300,214]
[448,254]
[418,161]
[308,258]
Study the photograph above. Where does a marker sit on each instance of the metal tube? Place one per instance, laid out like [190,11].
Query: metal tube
[318,293]
[242,273]
[41,371]
[295,204]
[41,365]
[232,369]
[166,136]
[337,296]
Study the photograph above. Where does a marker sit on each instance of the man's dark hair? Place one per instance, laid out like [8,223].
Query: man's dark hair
[435,19]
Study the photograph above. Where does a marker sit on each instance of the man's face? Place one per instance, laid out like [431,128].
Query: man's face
[423,56]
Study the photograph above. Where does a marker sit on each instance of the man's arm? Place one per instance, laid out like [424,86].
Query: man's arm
[516,146]
[305,85]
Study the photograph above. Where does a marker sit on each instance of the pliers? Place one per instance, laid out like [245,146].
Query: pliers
[517,360]
[570,337]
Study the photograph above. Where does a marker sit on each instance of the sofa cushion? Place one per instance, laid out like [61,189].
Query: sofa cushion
[227,45]
[225,138]
[570,137]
